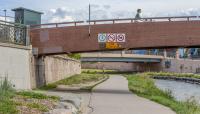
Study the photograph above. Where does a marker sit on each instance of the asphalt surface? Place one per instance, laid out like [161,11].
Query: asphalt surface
[114,97]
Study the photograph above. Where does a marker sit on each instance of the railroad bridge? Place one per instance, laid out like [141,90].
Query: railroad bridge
[79,36]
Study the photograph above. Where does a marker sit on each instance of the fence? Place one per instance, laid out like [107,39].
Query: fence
[12,33]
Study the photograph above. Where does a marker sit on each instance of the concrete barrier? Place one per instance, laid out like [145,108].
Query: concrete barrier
[180,65]
[15,64]
[25,71]
[49,69]
[182,79]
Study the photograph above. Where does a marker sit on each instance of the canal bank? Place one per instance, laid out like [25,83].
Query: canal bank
[180,90]
[143,85]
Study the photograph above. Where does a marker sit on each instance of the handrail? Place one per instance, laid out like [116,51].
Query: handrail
[56,24]
[114,20]
[15,24]
[148,18]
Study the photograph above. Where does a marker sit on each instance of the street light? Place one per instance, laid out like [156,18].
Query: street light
[5,11]
[89,31]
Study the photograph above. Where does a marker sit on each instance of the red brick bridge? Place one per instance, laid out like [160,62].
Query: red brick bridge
[79,36]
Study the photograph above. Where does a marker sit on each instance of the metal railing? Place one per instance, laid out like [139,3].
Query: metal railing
[47,25]
[114,21]
[149,19]
[13,33]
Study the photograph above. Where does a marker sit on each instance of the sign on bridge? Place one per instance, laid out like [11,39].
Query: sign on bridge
[111,37]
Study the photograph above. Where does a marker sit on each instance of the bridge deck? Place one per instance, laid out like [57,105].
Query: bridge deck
[153,33]
[106,57]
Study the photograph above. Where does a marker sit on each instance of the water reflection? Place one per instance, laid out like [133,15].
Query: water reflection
[180,90]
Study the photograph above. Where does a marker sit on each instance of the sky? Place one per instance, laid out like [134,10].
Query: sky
[75,10]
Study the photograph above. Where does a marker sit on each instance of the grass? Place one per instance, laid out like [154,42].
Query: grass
[186,75]
[34,95]
[97,71]
[143,85]
[40,107]
[76,79]
[9,106]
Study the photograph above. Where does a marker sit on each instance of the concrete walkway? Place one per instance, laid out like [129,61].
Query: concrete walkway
[113,97]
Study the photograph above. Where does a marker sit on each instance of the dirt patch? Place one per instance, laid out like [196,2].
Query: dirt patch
[33,106]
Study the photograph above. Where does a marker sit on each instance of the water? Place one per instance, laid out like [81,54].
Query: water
[180,90]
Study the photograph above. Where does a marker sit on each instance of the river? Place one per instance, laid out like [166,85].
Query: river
[180,90]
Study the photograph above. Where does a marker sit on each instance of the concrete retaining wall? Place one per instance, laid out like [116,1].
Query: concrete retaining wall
[176,65]
[181,66]
[15,63]
[57,68]
[50,69]
[27,72]
[122,66]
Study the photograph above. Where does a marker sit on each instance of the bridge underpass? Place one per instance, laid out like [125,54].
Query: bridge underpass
[98,57]
[72,37]
[121,62]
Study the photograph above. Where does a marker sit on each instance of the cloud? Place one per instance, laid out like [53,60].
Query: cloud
[7,19]
[65,14]
[97,12]
[190,12]
[107,6]
[95,6]
[61,19]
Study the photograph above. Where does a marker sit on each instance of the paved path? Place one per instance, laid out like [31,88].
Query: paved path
[113,97]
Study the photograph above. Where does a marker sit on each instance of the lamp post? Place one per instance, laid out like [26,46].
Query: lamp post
[89,31]
[5,11]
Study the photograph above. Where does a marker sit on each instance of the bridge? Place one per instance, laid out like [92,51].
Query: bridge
[110,57]
[158,32]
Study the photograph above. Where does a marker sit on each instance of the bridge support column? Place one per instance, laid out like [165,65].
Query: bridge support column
[177,54]
[122,53]
[165,53]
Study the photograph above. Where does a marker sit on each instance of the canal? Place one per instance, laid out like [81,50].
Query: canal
[180,90]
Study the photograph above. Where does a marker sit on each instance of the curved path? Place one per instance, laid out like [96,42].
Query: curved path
[113,97]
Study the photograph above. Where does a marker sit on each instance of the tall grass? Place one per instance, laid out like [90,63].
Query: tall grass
[185,75]
[6,89]
[143,85]
[7,106]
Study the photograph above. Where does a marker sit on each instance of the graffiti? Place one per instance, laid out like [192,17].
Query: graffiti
[111,37]
[112,45]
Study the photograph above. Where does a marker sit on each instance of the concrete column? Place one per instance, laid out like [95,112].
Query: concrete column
[177,54]
[122,53]
[165,53]
[27,35]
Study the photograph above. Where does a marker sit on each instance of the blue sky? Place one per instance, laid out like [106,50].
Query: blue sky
[69,10]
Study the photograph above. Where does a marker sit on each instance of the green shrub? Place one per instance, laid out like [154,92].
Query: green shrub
[75,56]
